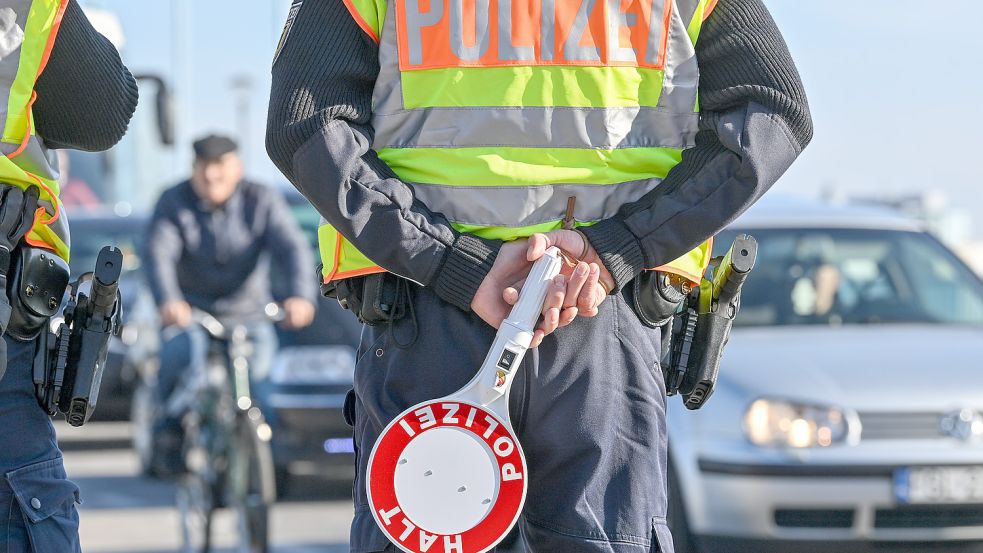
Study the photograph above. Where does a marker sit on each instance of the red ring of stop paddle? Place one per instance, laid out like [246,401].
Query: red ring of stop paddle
[389,449]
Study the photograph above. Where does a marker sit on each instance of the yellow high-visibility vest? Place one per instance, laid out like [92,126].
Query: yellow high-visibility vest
[28,29]
[497,113]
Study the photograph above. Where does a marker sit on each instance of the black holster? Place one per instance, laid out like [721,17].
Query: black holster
[654,299]
[376,299]
[701,329]
[36,288]
[70,359]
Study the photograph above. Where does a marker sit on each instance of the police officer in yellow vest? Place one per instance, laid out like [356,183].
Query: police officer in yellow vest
[447,143]
[62,85]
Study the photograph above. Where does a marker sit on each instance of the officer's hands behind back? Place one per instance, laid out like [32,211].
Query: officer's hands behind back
[575,292]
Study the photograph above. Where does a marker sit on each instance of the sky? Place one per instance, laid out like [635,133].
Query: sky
[894,86]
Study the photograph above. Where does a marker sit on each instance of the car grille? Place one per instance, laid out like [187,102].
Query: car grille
[929,516]
[901,426]
[906,516]
[814,518]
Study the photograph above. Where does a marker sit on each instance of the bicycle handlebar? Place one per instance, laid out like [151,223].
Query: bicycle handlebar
[272,312]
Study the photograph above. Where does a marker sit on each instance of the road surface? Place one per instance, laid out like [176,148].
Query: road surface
[123,512]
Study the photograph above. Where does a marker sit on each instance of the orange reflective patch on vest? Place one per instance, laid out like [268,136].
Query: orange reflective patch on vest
[495,33]
[709,9]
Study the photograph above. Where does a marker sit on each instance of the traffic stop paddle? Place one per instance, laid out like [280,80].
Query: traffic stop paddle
[448,475]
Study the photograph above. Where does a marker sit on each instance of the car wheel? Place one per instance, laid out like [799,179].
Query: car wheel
[682,539]
[142,411]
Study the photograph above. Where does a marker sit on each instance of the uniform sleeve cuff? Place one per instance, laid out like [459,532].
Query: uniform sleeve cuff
[619,249]
[465,267]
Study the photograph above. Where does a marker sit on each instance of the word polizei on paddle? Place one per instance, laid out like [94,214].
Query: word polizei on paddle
[448,475]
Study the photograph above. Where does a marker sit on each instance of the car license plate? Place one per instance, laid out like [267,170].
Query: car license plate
[939,485]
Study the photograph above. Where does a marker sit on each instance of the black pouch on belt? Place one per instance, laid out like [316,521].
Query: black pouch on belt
[36,290]
[379,298]
[384,298]
[654,299]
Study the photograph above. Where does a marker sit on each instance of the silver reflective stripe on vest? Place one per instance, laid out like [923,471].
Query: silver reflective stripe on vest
[387,97]
[536,127]
[520,206]
[682,78]
[686,10]
[13,20]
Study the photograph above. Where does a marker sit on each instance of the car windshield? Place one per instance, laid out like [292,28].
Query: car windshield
[855,276]
[90,235]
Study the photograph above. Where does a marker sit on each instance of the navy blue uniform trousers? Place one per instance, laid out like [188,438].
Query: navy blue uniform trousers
[37,501]
[588,406]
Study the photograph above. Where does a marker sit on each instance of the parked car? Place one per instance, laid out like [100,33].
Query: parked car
[849,411]
[91,231]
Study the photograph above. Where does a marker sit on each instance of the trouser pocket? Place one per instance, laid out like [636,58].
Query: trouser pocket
[47,501]
[661,537]
[349,408]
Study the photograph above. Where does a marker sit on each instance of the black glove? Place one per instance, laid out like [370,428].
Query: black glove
[17,209]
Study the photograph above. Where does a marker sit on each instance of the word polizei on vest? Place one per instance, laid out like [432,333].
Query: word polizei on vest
[435,33]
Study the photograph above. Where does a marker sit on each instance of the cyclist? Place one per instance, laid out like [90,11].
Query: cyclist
[210,246]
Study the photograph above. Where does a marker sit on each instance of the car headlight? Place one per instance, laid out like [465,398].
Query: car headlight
[780,423]
[314,365]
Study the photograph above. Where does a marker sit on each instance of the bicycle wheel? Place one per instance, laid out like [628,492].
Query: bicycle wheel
[195,509]
[254,485]
[143,410]
[197,496]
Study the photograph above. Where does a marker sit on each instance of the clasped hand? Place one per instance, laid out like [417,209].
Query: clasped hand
[577,291]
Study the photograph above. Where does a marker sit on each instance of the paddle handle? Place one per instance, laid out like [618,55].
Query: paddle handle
[491,385]
[525,313]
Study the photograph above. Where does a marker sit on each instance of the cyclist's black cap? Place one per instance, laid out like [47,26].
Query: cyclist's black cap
[212,147]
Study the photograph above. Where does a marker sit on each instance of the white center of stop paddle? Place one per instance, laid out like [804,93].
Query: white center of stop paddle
[447,480]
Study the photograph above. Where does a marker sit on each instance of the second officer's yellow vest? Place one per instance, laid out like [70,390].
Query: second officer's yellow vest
[496,113]
[28,29]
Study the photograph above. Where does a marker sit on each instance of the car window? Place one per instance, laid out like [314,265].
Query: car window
[855,276]
[90,235]
[938,280]
[306,216]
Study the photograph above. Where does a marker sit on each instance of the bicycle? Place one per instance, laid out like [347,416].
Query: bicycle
[227,443]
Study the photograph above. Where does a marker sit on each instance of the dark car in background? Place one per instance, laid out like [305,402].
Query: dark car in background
[304,396]
[136,343]
[313,370]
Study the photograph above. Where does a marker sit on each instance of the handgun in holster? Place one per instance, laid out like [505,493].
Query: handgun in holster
[701,328]
[69,364]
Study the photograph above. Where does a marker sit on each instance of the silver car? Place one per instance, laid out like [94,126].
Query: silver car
[849,411]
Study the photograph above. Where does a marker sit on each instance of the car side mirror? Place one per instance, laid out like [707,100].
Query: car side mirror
[165,108]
